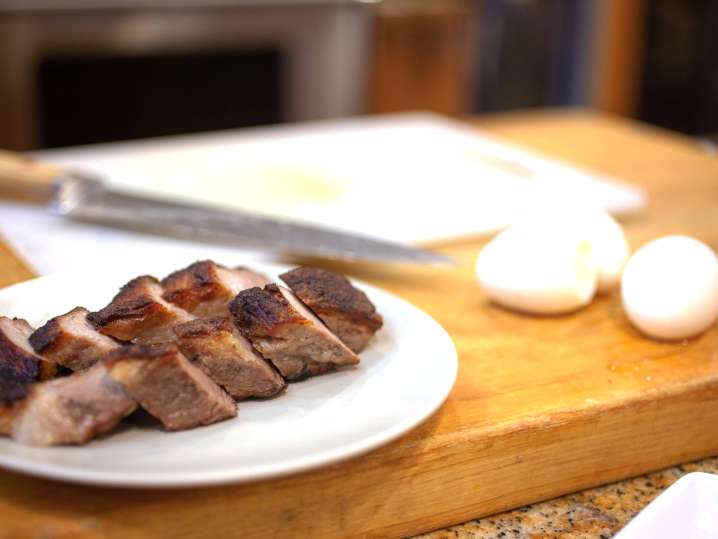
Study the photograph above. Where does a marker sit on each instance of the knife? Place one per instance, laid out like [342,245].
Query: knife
[81,197]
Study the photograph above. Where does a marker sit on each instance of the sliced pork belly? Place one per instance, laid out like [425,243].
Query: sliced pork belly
[283,330]
[169,387]
[71,341]
[139,314]
[205,288]
[71,410]
[18,361]
[345,310]
[227,357]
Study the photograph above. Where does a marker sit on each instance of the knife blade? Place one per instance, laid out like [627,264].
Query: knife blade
[83,198]
[86,199]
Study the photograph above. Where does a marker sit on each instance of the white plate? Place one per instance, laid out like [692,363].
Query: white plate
[689,509]
[404,376]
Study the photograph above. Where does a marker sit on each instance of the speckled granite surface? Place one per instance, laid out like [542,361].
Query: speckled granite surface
[596,513]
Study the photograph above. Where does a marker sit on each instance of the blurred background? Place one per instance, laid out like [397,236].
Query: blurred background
[87,71]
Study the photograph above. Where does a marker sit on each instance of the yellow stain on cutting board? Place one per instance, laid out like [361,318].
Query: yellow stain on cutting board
[295,184]
[267,188]
[286,190]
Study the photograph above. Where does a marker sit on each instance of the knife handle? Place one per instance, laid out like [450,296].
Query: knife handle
[23,178]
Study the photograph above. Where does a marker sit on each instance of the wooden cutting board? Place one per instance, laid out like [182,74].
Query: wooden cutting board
[542,406]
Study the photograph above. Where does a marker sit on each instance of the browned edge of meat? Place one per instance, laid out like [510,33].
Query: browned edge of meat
[7,414]
[71,410]
[12,391]
[205,288]
[345,309]
[284,331]
[227,357]
[18,361]
[19,368]
[169,387]
[139,314]
[71,341]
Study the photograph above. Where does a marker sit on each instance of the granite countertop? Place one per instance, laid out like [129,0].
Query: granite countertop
[596,513]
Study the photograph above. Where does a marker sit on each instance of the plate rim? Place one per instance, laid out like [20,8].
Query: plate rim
[256,473]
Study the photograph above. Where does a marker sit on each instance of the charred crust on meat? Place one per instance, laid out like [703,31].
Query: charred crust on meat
[344,309]
[284,331]
[49,370]
[192,284]
[13,390]
[202,327]
[199,273]
[138,313]
[142,351]
[19,364]
[325,292]
[205,288]
[258,311]
[131,308]
[46,338]
[16,363]
[70,340]
[130,302]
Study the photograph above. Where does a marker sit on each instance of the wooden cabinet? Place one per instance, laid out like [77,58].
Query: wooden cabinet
[421,57]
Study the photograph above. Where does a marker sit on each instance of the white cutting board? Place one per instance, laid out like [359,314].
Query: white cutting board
[413,177]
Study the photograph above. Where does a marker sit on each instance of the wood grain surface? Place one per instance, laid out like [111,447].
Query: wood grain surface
[542,406]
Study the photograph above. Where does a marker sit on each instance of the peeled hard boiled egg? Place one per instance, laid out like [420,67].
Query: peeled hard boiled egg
[608,242]
[538,268]
[608,245]
[670,288]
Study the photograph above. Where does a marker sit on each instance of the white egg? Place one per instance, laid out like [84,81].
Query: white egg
[608,242]
[608,245]
[670,288]
[539,268]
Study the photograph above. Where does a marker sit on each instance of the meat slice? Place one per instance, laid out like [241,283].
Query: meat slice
[18,361]
[227,357]
[139,314]
[71,410]
[11,392]
[205,288]
[19,368]
[283,330]
[71,341]
[7,414]
[345,309]
[169,387]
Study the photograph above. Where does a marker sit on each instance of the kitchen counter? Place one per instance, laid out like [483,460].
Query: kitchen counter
[597,513]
